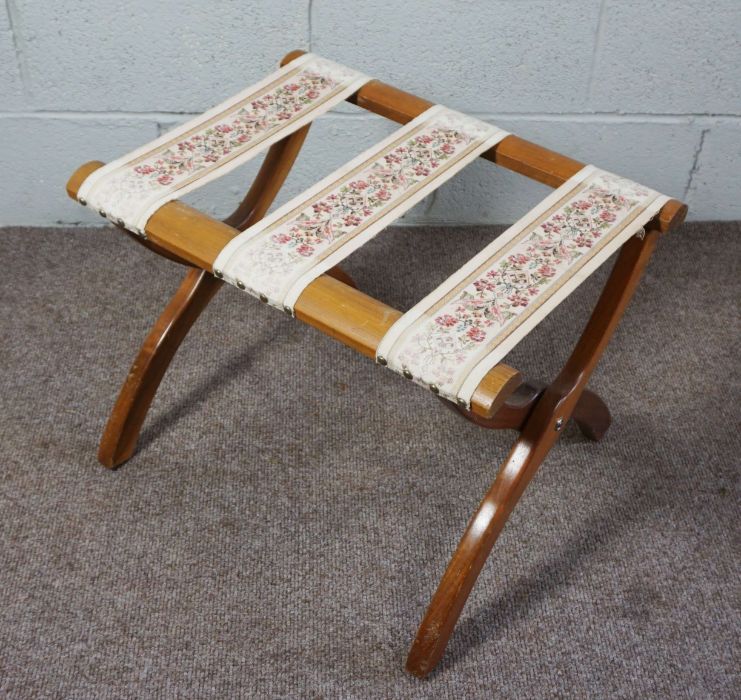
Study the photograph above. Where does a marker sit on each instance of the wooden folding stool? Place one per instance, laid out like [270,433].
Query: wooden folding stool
[453,341]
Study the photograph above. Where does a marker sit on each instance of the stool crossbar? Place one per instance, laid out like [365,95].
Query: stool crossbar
[454,340]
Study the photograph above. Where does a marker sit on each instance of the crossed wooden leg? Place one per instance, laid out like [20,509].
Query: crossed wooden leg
[195,292]
[540,431]
[124,424]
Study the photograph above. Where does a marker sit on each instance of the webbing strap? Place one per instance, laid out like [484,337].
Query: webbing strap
[456,334]
[130,189]
[279,256]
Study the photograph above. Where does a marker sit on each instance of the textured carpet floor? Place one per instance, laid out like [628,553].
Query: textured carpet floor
[292,506]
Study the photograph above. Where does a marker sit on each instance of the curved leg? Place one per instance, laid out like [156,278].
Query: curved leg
[196,290]
[482,531]
[270,178]
[124,424]
[541,430]
[130,410]
[592,416]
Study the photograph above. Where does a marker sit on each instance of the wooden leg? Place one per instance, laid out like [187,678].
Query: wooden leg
[541,430]
[124,424]
[196,290]
[121,433]
[339,274]
[482,531]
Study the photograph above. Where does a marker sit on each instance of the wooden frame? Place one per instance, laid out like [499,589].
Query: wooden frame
[333,305]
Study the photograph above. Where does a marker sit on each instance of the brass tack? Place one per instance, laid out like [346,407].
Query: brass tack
[559,424]
[381,361]
[288,310]
[218,273]
[407,373]
[102,213]
[82,201]
[240,284]
[434,389]
[462,403]
[263,299]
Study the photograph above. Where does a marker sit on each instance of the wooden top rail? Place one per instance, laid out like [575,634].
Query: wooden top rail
[338,310]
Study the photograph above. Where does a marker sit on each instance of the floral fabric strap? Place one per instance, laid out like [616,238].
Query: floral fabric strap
[130,189]
[456,334]
[279,256]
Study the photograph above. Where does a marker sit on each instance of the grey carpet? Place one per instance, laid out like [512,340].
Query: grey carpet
[292,506]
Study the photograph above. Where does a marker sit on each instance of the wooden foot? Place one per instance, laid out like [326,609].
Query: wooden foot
[592,415]
[124,424]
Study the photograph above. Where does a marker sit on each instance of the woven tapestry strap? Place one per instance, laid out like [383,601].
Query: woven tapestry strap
[456,334]
[279,256]
[130,189]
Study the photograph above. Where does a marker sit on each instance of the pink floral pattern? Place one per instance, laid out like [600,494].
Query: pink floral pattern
[207,147]
[440,343]
[280,253]
[349,206]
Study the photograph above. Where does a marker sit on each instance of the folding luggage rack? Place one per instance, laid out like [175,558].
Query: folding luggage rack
[452,342]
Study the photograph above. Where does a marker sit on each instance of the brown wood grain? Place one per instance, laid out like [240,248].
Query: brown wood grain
[198,287]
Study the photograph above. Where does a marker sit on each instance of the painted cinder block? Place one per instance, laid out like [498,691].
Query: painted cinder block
[11,84]
[650,90]
[715,190]
[668,57]
[495,56]
[139,56]
[47,151]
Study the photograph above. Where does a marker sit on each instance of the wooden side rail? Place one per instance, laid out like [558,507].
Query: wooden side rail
[335,308]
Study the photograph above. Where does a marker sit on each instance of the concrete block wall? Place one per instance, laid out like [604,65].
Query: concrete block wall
[651,90]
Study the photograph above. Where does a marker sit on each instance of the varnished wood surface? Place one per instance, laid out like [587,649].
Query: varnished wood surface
[590,413]
[125,421]
[270,178]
